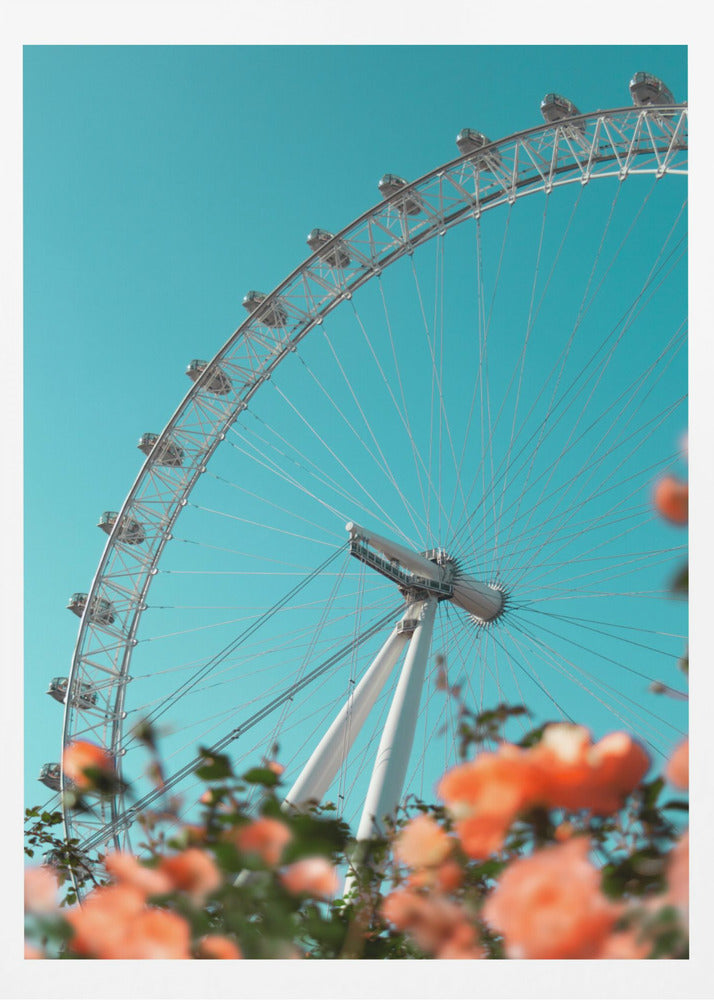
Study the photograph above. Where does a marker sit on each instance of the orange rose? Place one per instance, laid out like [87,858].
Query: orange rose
[624,944]
[193,872]
[81,757]
[102,921]
[40,890]
[311,877]
[577,774]
[153,934]
[125,869]
[438,926]
[677,770]
[422,843]
[550,905]
[485,795]
[265,837]
[671,499]
[618,764]
[446,877]
[114,922]
[217,946]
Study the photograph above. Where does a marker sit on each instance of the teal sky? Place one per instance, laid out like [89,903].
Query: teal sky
[160,185]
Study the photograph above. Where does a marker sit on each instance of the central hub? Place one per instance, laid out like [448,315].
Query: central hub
[434,572]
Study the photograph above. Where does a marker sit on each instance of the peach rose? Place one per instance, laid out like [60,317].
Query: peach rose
[446,877]
[32,952]
[101,923]
[437,924]
[125,869]
[80,757]
[671,499]
[114,922]
[193,871]
[461,944]
[550,906]
[618,764]
[422,843]
[153,934]
[265,837]
[677,770]
[624,944]
[577,774]
[40,890]
[485,795]
[217,946]
[311,877]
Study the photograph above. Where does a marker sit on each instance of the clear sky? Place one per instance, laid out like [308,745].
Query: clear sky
[160,185]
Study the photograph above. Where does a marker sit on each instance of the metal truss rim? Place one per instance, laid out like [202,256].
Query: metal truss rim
[159,493]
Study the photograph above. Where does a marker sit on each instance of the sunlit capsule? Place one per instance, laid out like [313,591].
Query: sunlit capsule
[84,698]
[130,531]
[332,251]
[470,141]
[273,313]
[390,184]
[167,453]
[555,108]
[216,382]
[50,776]
[646,89]
[101,612]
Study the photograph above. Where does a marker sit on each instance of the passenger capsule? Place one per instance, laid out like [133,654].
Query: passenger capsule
[86,697]
[167,454]
[102,612]
[647,89]
[217,382]
[274,314]
[390,184]
[555,108]
[50,775]
[336,255]
[470,141]
[130,531]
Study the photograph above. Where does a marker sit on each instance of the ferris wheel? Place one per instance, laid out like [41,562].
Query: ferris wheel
[422,464]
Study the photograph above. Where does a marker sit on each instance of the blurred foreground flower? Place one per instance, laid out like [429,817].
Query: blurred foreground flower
[217,946]
[438,926]
[550,906]
[193,872]
[115,922]
[265,837]
[40,890]
[677,771]
[86,765]
[314,877]
[564,770]
[671,499]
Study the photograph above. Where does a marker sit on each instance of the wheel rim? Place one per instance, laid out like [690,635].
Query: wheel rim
[617,144]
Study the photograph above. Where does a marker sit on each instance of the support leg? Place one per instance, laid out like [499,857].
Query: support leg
[390,768]
[332,751]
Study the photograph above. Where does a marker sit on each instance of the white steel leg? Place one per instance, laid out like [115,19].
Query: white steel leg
[390,768]
[332,751]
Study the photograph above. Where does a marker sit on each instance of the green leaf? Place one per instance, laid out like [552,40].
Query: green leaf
[228,857]
[681,804]
[650,791]
[261,776]
[680,582]
[533,736]
[215,767]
